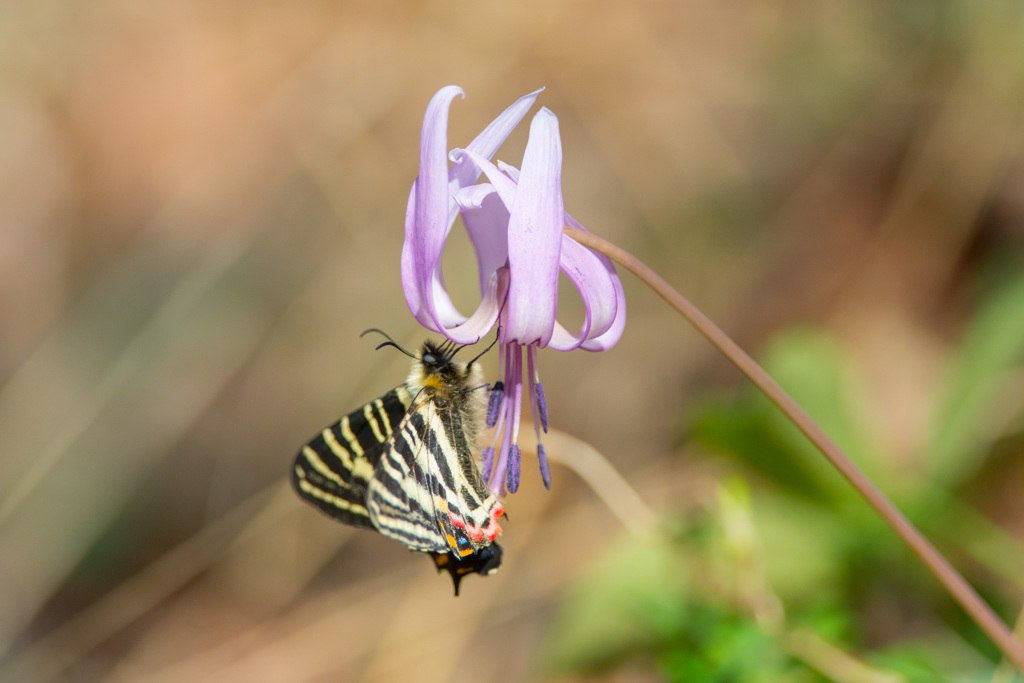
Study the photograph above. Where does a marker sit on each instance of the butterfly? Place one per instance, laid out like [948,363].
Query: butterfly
[404,465]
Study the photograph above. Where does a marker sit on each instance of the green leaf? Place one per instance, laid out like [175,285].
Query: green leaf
[804,548]
[724,647]
[981,395]
[627,603]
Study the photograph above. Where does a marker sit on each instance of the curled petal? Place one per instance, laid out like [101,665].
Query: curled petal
[490,139]
[432,209]
[426,219]
[603,338]
[606,315]
[516,218]
[485,316]
[419,287]
[535,237]
[610,337]
[411,282]
[535,230]
[486,221]
[588,274]
[503,185]
[509,170]
[471,198]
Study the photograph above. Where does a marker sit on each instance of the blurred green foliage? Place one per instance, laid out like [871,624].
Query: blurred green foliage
[787,575]
[980,390]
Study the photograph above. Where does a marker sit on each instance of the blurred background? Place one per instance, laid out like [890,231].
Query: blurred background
[202,207]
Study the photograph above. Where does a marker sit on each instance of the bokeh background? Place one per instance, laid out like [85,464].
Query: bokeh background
[202,207]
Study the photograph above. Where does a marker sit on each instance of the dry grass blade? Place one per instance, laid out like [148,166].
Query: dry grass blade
[605,481]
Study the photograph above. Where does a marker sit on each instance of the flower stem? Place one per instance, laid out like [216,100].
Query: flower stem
[954,583]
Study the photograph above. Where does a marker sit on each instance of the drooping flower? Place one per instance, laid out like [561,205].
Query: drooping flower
[514,220]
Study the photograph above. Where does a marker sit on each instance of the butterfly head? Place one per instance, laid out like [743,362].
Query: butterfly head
[437,369]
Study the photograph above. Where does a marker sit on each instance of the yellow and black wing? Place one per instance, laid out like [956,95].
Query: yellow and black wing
[402,465]
[334,469]
[426,491]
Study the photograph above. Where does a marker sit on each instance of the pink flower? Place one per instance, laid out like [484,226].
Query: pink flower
[515,222]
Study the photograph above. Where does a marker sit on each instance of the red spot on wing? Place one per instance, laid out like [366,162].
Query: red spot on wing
[474,532]
[492,528]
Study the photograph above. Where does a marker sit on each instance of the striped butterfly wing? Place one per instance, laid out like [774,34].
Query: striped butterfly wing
[406,471]
[405,500]
[469,504]
[334,469]
[426,491]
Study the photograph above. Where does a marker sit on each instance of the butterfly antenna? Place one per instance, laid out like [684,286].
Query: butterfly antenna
[451,348]
[389,342]
[489,347]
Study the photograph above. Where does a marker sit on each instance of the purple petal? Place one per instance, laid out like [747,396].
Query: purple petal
[509,170]
[609,338]
[430,214]
[512,478]
[535,237]
[443,309]
[421,288]
[432,199]
[590,277]
[426,220]
[412,285]
[486,221]
[502,184]
[594,277]
[545,471]
[601,338]
[472,198]
[591,272]
[491,138]
[485,316]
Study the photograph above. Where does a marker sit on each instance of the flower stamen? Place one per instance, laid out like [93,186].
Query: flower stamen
[515,410]
[542,405]
[488,464]
[494,403]
[545,471]
[514,459]
[540,413]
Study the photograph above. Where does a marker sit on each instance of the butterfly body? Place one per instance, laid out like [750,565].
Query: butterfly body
[404,464]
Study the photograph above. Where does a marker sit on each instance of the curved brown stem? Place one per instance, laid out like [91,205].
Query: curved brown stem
[954,583]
